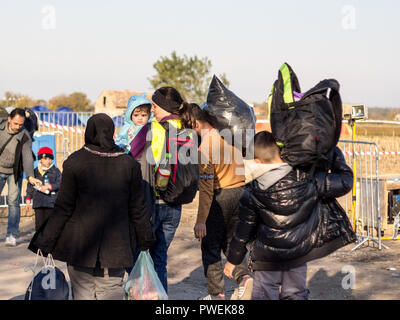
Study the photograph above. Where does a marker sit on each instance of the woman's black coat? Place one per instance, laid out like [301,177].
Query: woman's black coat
[98,213]
[295,220]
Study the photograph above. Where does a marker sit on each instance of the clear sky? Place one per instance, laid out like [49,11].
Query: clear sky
[56,46]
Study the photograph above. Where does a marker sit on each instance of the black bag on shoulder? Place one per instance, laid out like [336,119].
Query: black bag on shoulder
[307,130]
[181,159]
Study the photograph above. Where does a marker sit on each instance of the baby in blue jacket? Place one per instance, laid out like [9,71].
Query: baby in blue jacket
[137,114]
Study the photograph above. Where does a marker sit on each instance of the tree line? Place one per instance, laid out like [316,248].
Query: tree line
[77,101]
[190,75]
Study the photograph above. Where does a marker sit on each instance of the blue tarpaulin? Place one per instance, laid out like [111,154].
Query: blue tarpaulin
[40,141]
[44,140]
[118,121]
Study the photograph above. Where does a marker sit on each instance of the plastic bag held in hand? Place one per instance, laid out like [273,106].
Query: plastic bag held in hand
[229,111]
[143,282]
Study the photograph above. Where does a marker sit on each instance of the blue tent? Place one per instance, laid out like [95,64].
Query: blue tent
[40,109]
[64,109]
[43,112]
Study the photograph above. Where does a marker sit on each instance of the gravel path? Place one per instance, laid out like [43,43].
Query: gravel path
[377,273]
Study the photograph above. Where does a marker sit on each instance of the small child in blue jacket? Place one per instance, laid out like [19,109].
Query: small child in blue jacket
[137,114]
[42,199]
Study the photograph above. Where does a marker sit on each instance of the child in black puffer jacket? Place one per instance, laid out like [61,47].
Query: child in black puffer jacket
[288,218]
[44,198]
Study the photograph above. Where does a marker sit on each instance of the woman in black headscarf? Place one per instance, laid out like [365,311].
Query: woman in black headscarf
[99,215]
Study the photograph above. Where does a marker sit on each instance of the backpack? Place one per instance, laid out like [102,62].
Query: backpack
[306,130]
[181,159]
[49,283]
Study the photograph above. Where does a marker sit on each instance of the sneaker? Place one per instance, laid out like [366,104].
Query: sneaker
[234,295]
[245,288]
[219,296]
[11,241]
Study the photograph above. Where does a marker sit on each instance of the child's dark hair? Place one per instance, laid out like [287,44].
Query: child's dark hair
[265,147]
[143,108]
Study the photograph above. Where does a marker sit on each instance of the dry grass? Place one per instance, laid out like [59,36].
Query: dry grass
[388,164]
[384,130]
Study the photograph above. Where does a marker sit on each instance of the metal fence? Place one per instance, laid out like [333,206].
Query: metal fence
[73,125]
[69,131]
[363,204]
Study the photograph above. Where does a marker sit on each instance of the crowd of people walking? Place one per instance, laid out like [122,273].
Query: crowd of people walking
[120,195]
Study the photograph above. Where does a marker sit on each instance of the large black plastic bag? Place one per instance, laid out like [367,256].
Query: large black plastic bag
[230,112]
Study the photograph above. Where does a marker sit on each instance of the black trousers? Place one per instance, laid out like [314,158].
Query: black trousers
[221,225]
[41,215]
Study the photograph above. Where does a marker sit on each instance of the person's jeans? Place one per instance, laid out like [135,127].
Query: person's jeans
[14,200]
[165,223]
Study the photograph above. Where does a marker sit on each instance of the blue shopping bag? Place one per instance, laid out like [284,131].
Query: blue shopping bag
[143,282]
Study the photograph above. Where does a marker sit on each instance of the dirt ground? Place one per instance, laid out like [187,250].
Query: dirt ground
[376,272]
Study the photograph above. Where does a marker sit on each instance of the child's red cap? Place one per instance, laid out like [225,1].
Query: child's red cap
[45,152]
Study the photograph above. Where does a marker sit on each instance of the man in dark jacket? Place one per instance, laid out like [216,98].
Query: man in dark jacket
[15,157]
[289,218]
[99,216]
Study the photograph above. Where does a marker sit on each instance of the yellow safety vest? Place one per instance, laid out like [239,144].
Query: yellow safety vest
[158,137]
